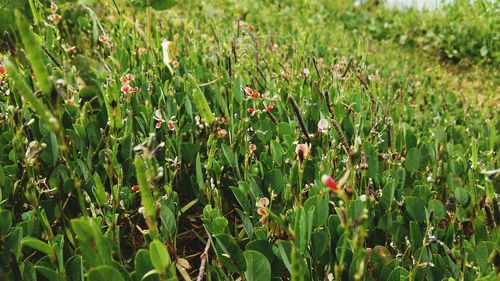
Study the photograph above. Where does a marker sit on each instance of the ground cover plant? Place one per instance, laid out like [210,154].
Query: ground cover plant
[245,140]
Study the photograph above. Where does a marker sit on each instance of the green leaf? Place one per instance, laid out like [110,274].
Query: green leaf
[201,101]
[229,246]
[276,152]
[416,237]
[21,86]
[412,162]
[104,273]
[257,266]
[159,255]
[34,52]
[379,258]
[437,207]
[462,196]
[162,4]
[74,268]
[168,219]
[415,207]
[37,244]
[5,222]
[399,274]
[388,195]
[199,173]
[228,154]
[146,195]
[52,275]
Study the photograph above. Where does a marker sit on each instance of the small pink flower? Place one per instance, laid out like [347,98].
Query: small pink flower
[241,24]
[251,148]
[123,79]
[135,188]
[130,77]
[251,110]
[175,64]
[103,38]
[55,18]
[269,108]
[126,89]
[263,202]
[134,90]
[323,125]
[303,151]
[330,182]
[171,125]
[262,212]
[159,119]
[2,69]
[255,95]
[248,90]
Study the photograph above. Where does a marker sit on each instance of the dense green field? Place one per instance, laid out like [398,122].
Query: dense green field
[248,140]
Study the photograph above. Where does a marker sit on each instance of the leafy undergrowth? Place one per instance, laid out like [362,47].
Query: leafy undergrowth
[253,141]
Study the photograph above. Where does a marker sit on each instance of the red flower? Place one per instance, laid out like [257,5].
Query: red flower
[135,187]
[251,110]
[269,108]
[251,148]
[249,91]
[255,95]
[2,69]
[171,125]
[126,89]
[330,182]
[103,38]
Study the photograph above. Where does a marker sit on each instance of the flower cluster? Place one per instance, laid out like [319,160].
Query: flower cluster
[126,88]
[339,68]
[262,209]
[159,121]
[54,17]
[244,25]
[266,101]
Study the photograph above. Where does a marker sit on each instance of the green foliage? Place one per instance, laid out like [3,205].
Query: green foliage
[115,166]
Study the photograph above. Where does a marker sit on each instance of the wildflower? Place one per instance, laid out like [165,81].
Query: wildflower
[255,95]
[140,51]
[222,133]
[323,126]
[248,90]
[171,125]
[251,110]
[268,108]
[55,18]
[263,202]
[305,72]
[158,118]
[103,38]
[168,48]
[303,151]
[175,64]
[130,77]
[263,215]
[330,182]
[123,79]
[241,24]
[2,69]
[251,148]
[126,89]
[135,187]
